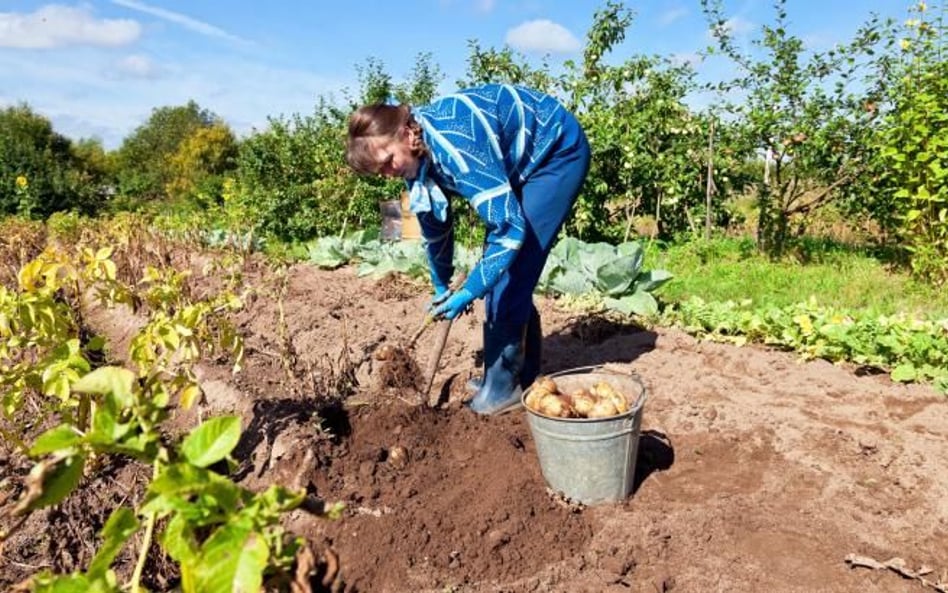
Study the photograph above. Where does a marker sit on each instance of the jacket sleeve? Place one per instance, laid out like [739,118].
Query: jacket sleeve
[503,218]
[439,246]
[473,159]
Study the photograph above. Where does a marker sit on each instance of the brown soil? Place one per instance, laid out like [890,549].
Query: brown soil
[756,471]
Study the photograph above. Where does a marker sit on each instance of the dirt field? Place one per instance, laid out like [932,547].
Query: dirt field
[756,472]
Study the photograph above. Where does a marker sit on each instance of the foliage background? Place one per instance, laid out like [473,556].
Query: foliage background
[799,143]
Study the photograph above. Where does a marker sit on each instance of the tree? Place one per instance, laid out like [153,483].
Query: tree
[199,164]
[143,161]
[422,84]
[803,111]
[912,141]
[375,81]
[41,171]
[505,66]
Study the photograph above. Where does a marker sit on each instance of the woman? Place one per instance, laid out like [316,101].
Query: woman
[519,158]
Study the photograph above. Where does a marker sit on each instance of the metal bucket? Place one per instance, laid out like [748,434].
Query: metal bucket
[590,460]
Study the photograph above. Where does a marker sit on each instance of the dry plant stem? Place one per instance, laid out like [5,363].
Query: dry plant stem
[146,543]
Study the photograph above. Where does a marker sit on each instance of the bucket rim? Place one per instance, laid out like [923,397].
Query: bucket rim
[633,409]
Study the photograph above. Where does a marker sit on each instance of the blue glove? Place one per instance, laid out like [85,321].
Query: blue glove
[438,298]
[454,305]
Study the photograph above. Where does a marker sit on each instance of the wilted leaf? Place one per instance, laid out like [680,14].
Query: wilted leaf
[190,394]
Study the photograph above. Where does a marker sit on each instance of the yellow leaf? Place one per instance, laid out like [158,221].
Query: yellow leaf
[27,275]
[190,394]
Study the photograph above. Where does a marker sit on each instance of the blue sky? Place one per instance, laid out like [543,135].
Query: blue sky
[97,68]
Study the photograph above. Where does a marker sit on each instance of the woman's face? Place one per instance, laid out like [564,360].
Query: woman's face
[393,154]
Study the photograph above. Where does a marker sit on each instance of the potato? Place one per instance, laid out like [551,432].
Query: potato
[606,391]
[534,395]
[555,406]
[603,408]
[583,401]
[398,457]
[546,383]
[385,352]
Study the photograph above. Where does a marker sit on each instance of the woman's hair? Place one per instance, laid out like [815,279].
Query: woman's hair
[378,120]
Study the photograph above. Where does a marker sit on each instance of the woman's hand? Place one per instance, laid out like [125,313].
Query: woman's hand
[453,305]
[441,294]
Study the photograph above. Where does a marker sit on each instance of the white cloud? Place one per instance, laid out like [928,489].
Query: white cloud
[818,41]
[180,19]
[670,16]
[136,66]
[735,27]
[542,36]
[81,92]
[690,59]
[55,25]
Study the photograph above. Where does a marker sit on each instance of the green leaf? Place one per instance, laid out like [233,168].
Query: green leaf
[106,430]
[232,561]
[62,437]
[211,441]
[46,583]
[95,344]
[122,523]
[178,540]
[108,380]
[185,479]
[56,384]
[634,250]
[592,256]
[904,373]
[639,303]
[50,481]
[570,281]
[652,280]
[616,275]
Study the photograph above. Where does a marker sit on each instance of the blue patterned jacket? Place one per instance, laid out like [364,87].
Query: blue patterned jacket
[485,142]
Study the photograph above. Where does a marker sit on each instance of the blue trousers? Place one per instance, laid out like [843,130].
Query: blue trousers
[546,197]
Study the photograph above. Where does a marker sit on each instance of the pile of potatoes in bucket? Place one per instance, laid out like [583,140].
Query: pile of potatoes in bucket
[599,401]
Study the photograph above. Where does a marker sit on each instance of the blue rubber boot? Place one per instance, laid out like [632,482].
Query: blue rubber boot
[503,363]
[533,350]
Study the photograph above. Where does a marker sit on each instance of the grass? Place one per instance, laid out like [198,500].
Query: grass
[836,275]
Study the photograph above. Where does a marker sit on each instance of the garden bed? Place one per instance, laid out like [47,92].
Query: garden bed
[756,472]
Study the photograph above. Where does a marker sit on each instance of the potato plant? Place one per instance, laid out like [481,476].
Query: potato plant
[223,537]
[910,349]
[204,516]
